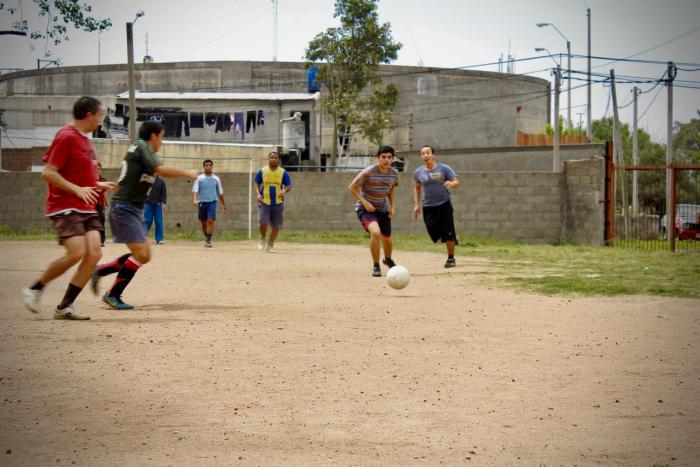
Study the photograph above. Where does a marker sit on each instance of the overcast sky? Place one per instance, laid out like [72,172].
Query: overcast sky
[446,33]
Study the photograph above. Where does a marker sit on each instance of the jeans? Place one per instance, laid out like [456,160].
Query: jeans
[154,212]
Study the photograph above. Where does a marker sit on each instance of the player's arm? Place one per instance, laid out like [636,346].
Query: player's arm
[416,199]
[286,185]
[454,183]
[51,175]
[174,172]
[223,202]
[369,207]
[392,210]
[164,194]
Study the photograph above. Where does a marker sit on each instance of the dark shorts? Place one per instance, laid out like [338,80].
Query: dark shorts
[75,224]
[381,218]
[271,215]
[440,222]
[207,210]
[127,224]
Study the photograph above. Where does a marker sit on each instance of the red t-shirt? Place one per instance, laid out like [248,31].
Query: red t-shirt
[73,155]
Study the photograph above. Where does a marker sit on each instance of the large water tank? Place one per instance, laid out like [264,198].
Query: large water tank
[311,84]
[293,134]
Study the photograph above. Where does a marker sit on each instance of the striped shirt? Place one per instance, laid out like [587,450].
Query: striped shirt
[374,186]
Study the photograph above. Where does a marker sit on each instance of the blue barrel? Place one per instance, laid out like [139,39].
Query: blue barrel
[311,84]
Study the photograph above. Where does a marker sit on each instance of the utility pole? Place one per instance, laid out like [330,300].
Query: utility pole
[132,92]
[589,130]
[274,30]
[569,123]
[619,155]
[556,166]
[635,156]
[670,194]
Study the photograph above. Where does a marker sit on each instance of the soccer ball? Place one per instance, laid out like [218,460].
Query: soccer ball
[398,277]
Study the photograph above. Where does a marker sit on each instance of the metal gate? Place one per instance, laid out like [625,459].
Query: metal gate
[635,200]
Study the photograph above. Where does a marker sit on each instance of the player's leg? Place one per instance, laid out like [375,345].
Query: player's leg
[140,255]
[158,219]
[91,256]
[148,217]
[276,220]
[384,222]
[263,222]
[448,233]
[375,236]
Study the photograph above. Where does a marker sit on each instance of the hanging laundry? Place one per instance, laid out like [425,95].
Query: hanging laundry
[250,120]
[261,117]
[238,124]
[210,118]
[223,122]
[196,120]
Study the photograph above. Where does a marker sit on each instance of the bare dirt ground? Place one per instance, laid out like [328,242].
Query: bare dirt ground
[234,356]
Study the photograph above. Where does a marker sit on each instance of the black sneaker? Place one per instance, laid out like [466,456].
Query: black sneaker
[450,263]
[376,272]
[389,262]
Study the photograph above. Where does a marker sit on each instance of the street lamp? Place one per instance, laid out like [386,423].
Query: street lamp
[132,92]
[543,49]
[568,71]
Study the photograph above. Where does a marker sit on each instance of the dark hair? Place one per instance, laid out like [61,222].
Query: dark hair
[432,149]
[85,105]
[274,152]
[148,128]
[207,160]
[385,149]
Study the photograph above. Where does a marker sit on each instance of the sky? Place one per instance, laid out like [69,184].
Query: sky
[447,33]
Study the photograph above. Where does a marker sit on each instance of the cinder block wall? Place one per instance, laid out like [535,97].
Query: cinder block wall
[535,207]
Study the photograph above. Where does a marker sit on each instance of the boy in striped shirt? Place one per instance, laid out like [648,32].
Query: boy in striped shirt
[372,186]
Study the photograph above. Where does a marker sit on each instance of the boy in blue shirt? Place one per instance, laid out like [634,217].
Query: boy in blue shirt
[207,189]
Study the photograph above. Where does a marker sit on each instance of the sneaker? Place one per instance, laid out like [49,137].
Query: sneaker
[270,248]
[31,299]
[160,242]
[450,263]
[376,272]
[389,262]
[116,303]
[69,313]
[261,245]
[95,282]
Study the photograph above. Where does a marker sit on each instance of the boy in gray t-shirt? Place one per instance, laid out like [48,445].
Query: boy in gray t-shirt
[434,180]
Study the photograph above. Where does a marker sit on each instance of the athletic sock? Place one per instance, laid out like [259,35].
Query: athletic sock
[450,256]
[37,286]
[72,293]
[209,237]
[376,265]
[126,273]
[113,266]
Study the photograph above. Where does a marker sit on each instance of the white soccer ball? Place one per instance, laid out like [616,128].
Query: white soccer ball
[398,277]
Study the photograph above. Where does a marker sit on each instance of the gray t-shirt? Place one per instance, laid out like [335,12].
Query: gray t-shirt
[432,181]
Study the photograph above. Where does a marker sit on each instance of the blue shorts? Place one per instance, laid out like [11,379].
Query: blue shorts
[381,218]
[272,215]
[207,210]
[126,222]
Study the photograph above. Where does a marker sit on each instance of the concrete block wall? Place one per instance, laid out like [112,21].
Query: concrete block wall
[526,206]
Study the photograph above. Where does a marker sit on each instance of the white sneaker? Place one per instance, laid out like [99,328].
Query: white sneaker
[69,313]
[31,299]
[261,245]
[270,248]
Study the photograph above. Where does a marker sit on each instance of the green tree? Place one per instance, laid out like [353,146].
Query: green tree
[56,16]
[348,58]
[686,149]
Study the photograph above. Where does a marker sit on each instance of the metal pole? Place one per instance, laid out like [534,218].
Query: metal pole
[670,207]
[250,198]
[589,131]
[556,166]
[569,124]
[620,159]
[635,156]
[132,92]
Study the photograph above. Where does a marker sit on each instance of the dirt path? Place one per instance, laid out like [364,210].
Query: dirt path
[301,358]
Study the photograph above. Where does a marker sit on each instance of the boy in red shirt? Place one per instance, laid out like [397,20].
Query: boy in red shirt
[71,173]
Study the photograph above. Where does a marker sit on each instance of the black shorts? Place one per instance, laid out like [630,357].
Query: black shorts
[440,222]
[381,218]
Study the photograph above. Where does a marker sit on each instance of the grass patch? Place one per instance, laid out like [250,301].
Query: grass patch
[546,269]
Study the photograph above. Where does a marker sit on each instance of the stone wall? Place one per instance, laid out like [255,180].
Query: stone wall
[537,207]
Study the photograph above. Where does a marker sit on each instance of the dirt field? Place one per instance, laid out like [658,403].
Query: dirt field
[234,356]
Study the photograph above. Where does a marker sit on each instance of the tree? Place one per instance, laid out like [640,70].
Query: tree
[348,58]
[59,15]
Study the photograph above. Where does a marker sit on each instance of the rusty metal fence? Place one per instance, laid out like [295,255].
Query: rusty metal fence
[635,201]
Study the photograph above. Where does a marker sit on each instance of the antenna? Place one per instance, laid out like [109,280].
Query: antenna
[274,30]
[147,58]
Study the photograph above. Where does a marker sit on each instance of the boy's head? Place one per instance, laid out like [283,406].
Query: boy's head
[273,159]
[385,154]
[90,110]
[152,132]
[208,165]
[427,153]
